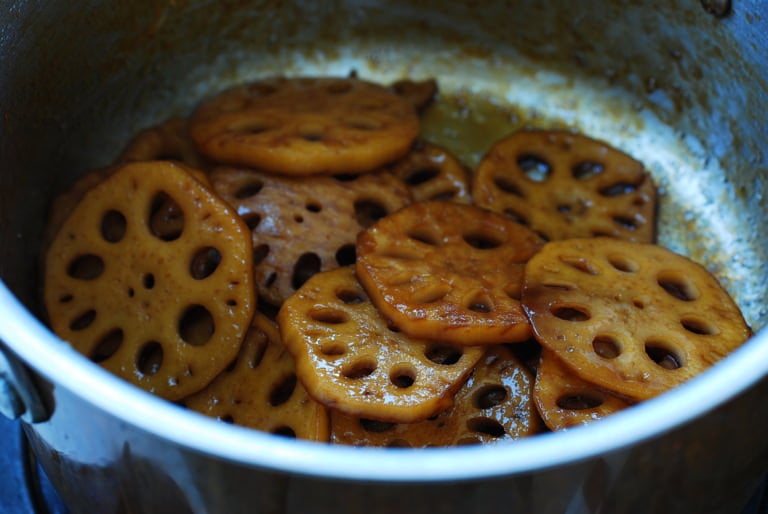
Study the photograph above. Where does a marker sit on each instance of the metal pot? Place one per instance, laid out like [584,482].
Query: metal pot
[682,86]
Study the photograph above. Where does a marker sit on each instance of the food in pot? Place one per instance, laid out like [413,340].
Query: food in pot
[404,304]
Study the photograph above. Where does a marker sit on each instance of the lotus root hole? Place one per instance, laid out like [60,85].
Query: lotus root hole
[579,264]
[489,396]
[678,285]
[248,189]
[306,265]
[150,358]
[196,325]
[359,369]
[329,316]
[421,176]
[83,321]
[585,170]
[251,220]
[204,262]
[86,267]
[623,263]
[507,186]
[699,326]
[485,240]
[606,346]
[580,401]
[313,207]
[281,391]
[392,327]
[662,355]
[227,418]
[487,426]
[570,313]
[260,252]
[618,189]
[285,431]
[333,349]
[252,127]
[346,255]
[258,348]
[375,426]
[270,280]
[148,280]
[626,222]
[516,216]
[66,298]
[534,167]
[166,218]
[443,354]
[368,212]
[402,376]
[350,296]
[113,226]
[481,303]
[107,346]
[312,132]
[424,235]
[431,293]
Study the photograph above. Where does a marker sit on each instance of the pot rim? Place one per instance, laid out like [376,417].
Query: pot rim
[55,359]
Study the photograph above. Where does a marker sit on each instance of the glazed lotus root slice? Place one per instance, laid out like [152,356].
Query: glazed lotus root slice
[260,390]
[565,185]
[433,173]
[165,141]
[351,358]
[304,126]
[493,405]
[151,277]
[442,270]
[564,400]
[633,318]
[303,225]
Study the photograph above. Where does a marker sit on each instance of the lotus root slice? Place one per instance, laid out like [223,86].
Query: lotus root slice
[433,173]
[151,277]
[442,270]
[632,318]
[350,358]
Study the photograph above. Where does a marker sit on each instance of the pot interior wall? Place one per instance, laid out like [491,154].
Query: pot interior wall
[677,88]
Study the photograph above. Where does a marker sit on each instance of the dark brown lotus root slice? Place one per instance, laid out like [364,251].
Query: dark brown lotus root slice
[305,126]
[493,405]
[303,225]
[151,277]
[433,173]
[632,318]
[168,140]
[352,359]
[564,400]
[260,390]
[565,185]
[420,93]
[448,271]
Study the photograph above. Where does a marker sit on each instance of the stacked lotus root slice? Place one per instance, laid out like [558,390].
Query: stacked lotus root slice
[294,259]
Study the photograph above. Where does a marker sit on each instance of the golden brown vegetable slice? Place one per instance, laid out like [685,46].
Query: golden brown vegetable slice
[303,126]
[493,405]
[260,390]
[565,400]
[632,318]
[151,276]
[447,271]
[166,141]
[566,185]
[303,225]
[433,173]
[350,358]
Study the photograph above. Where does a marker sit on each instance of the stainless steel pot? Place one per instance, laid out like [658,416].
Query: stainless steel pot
[679,87]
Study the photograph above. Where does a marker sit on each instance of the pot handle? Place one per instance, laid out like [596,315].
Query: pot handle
[18,394]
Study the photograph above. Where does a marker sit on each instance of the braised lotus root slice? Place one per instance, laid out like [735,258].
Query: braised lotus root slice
[304,126]
[151,277]
[448,271]
[565,185]
[564,400]
[421,93]
[633,318]
[433,173]
[303,225]
[260,390]
[166,141]
[493,405]
[352,359]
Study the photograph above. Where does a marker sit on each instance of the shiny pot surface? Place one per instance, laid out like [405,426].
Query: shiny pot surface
[680,88]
